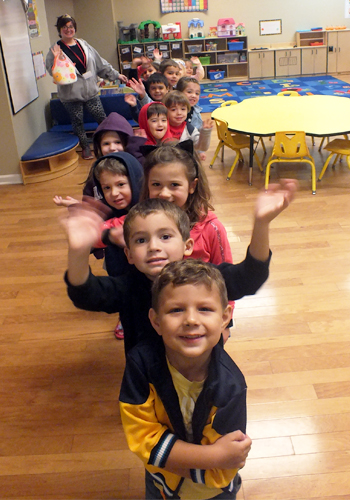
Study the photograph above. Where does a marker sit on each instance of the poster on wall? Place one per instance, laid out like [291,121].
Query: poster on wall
[167,6]
[33,22]
[347,8]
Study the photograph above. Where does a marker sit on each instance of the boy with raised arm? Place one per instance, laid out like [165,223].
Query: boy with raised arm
[157,232]
[183,399]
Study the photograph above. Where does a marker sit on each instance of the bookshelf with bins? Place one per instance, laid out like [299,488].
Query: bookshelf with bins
[220,57]
[129,50]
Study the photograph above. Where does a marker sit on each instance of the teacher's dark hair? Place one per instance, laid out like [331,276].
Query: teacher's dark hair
[63,20]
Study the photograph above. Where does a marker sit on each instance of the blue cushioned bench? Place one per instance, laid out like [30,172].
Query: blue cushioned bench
[52,155]
[110,102]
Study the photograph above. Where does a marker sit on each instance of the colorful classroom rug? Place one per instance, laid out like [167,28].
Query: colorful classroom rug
[215,93]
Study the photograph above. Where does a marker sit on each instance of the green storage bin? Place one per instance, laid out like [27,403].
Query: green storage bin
[205,60]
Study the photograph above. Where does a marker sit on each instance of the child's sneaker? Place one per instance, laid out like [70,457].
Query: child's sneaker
[119,332]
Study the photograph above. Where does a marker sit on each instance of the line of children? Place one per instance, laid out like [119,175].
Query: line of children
[153,119]
[183,399]
[157,232]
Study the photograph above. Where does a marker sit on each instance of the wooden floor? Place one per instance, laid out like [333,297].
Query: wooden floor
[60,368]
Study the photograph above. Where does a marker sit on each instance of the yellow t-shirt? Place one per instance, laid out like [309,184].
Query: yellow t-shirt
[188,393]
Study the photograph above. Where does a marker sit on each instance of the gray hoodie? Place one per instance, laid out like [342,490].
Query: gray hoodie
[84,89]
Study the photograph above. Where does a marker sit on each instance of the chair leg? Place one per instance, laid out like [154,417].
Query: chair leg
[335,160]
[348,160]
[267,174]
[325,166]
[233,165]
[262,144]
[222,153]
[220,145]
[313,176]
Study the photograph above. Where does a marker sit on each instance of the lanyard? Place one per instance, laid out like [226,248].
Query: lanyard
[83,61]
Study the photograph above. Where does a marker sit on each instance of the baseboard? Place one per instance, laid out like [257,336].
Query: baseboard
[11,179]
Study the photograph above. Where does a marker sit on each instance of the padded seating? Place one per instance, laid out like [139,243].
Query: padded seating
[52,155]
[110,102]
[236,142]
[337,147]
[291,147]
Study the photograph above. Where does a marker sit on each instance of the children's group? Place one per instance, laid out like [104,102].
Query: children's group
[170,275]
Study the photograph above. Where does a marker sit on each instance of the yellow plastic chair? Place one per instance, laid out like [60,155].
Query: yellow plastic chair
[231,103]
[323,139]
[291,147]
[337,147]
[294,93]
[236,142]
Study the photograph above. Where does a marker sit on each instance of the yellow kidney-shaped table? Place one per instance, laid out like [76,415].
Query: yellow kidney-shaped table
[316,115]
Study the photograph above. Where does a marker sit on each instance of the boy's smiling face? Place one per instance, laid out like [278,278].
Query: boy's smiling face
[157,91]
[190,318]
[154,241]
[158,125]
[116,189]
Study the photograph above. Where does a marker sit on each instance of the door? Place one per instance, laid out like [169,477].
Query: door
[343,56]
[267,64]
[255,64]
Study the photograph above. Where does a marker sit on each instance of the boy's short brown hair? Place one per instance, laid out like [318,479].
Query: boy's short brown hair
[152,206]
[188,272]
[156,108]
[111,165]
[166,63]
[175,97]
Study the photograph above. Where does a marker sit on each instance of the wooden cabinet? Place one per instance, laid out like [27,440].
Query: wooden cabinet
[313,60]
[311,38]
[338,51]
[219,55]
[288,62]
[128,51]
[261,64]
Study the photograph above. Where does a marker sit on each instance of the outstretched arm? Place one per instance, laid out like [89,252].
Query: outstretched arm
[82,226]
[268,206]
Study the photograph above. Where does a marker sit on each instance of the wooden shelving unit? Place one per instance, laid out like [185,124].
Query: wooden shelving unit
[308,38]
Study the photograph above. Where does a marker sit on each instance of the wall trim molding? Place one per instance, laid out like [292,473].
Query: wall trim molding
[11,179]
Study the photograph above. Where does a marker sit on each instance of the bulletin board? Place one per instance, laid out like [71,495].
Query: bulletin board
[271,27]
[167,6]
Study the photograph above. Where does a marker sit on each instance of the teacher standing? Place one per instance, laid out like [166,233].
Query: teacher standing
[83,93]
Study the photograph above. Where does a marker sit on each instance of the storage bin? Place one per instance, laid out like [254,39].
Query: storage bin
[211,46]
[235,45]
[229,57]
[195,48]
[205,60]
[216,75]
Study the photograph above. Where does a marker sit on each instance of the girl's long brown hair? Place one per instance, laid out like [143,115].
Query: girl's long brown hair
[198,202]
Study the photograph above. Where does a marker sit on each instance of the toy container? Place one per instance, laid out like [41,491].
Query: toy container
[235,45]
[195,48]
[211,46]
[216,75]
[205,60]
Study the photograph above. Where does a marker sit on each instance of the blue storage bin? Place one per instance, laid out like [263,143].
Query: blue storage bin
[235,45]
[216,75]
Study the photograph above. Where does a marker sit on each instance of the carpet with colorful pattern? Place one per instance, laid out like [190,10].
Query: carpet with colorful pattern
[215,93]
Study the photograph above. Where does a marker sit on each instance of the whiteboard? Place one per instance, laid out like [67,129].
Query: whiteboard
[272,27]
[17,54]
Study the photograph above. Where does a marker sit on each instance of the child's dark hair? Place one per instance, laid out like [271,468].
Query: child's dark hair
[156,108]
[156,78]
[98,137]
[188,272]
[166,63]
[156,205]
[63,20]
[184,81]
[175,97]
[111,165]
[198,202]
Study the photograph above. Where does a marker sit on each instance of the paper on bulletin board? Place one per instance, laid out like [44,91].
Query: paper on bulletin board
[33,21]
[39,65]
[272,27]
[347,8]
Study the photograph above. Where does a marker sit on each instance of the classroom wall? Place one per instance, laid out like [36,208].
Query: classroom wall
[296,15]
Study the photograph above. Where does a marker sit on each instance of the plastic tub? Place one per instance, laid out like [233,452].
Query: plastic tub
[235,45]
[195,48]
[211,46]
[205,60]
[216,75]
